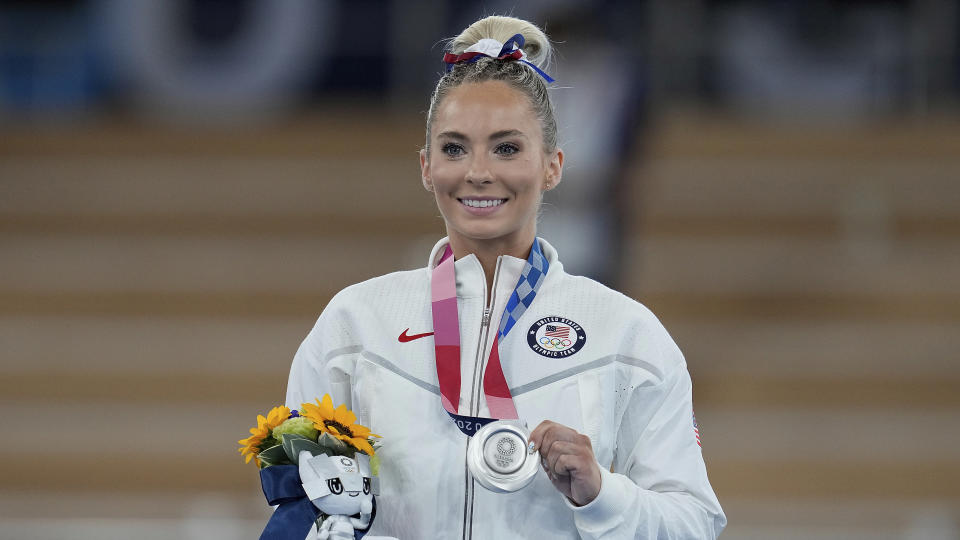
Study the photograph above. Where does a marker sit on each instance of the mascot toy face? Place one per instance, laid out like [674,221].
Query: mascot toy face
[338,485]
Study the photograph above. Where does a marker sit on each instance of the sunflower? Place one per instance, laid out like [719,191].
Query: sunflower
[261,434]
[339,423]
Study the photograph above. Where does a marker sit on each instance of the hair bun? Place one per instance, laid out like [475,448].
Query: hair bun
[536,45]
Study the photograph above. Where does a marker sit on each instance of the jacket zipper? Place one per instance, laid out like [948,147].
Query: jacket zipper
[479,365]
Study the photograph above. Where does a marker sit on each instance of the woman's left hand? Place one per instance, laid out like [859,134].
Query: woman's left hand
[567,457]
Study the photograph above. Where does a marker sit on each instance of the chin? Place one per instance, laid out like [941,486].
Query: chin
[487,236]
[482,232]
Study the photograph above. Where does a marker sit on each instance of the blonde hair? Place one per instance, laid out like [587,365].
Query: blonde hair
[517,74]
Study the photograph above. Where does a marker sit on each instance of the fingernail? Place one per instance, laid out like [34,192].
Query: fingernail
[532,447]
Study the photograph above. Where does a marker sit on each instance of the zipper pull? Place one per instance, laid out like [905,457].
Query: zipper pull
[485,321]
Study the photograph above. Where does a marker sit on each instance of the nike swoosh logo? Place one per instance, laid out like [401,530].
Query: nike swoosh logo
[405,338]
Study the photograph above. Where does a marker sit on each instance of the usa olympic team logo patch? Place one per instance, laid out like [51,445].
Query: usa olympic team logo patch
[556,337]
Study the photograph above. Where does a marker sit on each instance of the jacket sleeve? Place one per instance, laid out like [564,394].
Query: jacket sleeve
[324,362]
[660,489]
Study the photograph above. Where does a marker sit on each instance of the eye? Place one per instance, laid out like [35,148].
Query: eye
[452,149]
[335,486]
[366,486]
[507,149]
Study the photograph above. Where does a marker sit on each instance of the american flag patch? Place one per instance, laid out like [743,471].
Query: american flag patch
[696,430]
[557,331]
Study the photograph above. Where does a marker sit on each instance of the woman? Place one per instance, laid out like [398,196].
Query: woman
[494,327]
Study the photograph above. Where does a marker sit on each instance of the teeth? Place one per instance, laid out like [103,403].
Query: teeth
[474,203]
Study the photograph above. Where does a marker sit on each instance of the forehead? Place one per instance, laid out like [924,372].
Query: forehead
[345,464]
[476,109]
[328,467]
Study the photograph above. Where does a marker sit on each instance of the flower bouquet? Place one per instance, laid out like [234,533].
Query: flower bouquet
[319,467]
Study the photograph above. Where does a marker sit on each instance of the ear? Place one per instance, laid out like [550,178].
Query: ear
[363,463]
[314,472]
[554,170]
[425,170]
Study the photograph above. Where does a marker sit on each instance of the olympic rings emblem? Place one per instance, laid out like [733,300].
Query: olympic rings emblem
[554,343]
[556,337]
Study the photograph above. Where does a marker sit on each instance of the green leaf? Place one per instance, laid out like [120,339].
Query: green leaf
[334,446]
[274,455]
[294,444]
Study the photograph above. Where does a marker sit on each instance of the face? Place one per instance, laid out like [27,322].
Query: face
[487,166]
[348,482]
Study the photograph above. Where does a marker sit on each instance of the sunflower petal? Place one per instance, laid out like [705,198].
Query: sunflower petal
[344,415]
[263,430]
[362,444]
[326,406]
[278,415]
[359,431]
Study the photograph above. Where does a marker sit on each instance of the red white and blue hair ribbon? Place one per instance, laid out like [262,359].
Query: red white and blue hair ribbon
[491,48]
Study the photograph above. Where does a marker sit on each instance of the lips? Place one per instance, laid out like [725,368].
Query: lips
[481,202]
[481,207]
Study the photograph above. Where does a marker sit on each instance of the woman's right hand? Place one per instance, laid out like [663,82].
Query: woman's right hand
[567,458]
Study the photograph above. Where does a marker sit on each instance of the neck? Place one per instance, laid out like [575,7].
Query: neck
[487,251]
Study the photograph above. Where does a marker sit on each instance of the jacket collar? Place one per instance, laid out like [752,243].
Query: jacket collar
[470,278]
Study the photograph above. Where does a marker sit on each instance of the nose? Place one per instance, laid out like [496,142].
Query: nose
[479,171]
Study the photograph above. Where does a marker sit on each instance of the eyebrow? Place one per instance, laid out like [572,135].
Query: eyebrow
[456,135]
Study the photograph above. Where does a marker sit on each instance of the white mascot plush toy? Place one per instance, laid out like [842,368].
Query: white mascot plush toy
[340,487]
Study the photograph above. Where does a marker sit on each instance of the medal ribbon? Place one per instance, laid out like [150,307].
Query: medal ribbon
[446,328]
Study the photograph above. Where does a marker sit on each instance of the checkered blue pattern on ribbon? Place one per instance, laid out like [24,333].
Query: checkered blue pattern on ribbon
[529,283]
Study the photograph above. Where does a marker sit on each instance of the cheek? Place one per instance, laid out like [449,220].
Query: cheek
[444,174]
[523,177]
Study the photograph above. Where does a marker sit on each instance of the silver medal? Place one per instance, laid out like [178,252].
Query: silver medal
[498,458]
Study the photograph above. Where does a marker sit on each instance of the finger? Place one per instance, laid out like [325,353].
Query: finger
[570,460]
[536,436]
[547,439]
[554,433]
[563,450]
[578,445]
[584,479]
[547,427]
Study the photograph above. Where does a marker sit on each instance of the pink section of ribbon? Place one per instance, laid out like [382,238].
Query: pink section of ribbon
[446,328]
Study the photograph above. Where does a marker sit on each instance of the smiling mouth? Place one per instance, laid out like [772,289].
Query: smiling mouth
[353,493]
[482,203]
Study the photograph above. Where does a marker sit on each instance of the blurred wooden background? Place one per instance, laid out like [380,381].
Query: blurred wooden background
[155,284]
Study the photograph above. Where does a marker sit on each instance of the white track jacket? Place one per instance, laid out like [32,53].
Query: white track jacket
[622,382]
